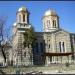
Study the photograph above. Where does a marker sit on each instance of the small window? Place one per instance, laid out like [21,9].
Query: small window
[23,17]
[63,46]
[54,23]
[60,46]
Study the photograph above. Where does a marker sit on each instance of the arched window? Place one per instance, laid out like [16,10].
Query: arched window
[23,17]
[48,23]
[62,46]
[19,18]
[54,23]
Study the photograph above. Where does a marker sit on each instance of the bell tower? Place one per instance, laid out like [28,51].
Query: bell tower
[21,54]
[50,21]
[23,15]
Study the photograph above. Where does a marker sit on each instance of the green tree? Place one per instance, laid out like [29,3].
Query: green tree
[29,37]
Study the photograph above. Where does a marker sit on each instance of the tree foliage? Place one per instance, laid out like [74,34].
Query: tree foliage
[29,37]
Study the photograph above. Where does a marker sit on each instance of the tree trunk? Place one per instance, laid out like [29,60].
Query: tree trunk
[3,54]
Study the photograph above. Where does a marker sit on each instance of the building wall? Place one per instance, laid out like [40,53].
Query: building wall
[52,45]
[19,57]
[72,40]
[62,36]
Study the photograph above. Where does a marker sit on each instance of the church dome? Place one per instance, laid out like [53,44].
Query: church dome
[22,9]
[50,12]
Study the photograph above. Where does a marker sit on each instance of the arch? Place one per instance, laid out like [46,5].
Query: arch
[23,17]
[54,23]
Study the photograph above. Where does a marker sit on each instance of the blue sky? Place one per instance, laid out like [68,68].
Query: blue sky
[64,9]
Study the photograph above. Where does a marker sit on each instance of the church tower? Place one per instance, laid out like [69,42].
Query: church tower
[50,21]
[21,55]
[23,15]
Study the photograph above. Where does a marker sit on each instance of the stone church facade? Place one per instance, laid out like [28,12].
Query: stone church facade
[53,45]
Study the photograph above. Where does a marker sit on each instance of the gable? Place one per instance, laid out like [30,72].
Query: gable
[62,32]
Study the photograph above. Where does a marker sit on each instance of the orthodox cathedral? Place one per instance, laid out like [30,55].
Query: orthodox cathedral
[53,45]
